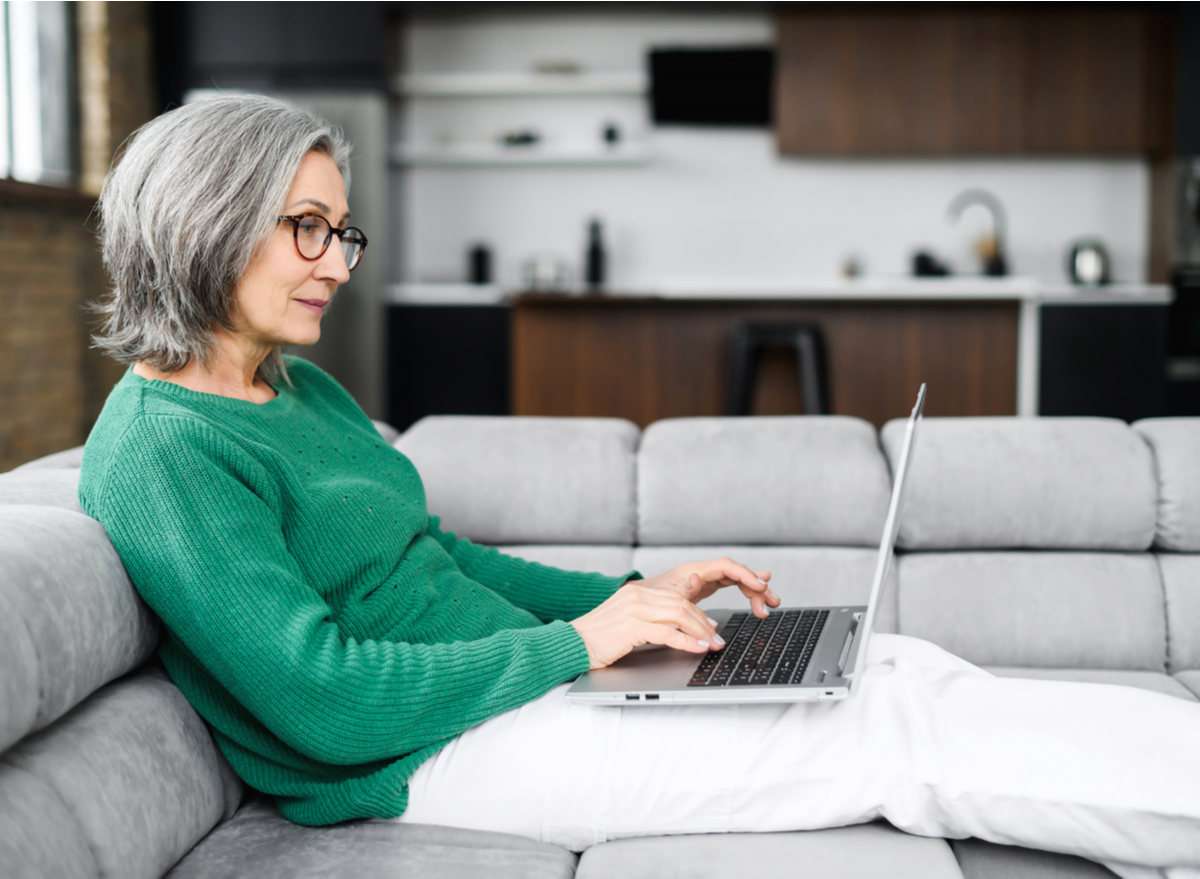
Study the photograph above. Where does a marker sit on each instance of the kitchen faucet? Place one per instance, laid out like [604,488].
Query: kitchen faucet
[991,250]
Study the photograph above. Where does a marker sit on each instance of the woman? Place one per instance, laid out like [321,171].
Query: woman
[354,660]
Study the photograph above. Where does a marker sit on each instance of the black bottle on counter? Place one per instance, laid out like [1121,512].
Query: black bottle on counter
[479,264]
[593,272]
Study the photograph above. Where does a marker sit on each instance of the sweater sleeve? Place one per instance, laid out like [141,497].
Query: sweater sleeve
[546,592]
[198,524]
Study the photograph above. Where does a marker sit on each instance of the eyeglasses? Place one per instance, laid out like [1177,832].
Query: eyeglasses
[313,234]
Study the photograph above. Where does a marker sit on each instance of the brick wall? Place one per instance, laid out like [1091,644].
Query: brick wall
[51,386]
[52,383]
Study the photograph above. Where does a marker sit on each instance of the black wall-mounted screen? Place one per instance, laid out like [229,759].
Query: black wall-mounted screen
[712,86]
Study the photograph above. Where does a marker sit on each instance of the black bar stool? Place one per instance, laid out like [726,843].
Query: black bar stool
[746,344]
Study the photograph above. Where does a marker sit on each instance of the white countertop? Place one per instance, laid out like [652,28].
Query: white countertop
[963,287]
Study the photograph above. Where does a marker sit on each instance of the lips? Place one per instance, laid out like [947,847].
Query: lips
[316,305]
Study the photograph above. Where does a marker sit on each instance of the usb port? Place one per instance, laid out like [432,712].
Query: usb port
[652,697]
[632,697]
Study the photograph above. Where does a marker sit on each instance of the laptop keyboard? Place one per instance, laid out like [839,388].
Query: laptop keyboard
[761,653]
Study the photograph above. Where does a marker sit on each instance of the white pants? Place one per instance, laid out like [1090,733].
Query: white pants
[931,743]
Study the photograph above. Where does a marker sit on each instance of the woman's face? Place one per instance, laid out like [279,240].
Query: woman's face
[282,296]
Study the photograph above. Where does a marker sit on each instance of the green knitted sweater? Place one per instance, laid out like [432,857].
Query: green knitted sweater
[314,614]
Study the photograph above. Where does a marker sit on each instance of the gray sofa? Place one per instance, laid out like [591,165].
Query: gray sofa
[1061,548]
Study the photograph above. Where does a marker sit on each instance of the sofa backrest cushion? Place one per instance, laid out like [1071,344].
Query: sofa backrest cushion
[1176,445]
[124,785]
[1045,483]
[792,480]
[611,561]
[802,576]
[527,480]
[43,487]
[70,459]
[70,620]
[1047,609]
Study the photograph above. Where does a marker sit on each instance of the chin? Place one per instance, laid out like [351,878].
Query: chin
[304,337]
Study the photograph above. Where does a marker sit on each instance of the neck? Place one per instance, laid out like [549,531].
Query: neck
[232,371]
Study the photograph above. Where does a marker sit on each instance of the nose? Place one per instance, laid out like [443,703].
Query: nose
[332,264]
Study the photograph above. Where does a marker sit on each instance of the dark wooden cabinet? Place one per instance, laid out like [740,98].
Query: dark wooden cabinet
[647,359]
[974,83]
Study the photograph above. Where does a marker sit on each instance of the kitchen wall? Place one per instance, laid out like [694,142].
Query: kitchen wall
[713,205]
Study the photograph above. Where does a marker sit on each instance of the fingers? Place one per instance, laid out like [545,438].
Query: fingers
[671,610]
[753,584]
[668,607]
[708,576]
[733,572]
[672,637]
[758,605]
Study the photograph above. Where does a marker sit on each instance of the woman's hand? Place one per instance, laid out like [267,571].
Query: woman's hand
[661,610]
[699,580]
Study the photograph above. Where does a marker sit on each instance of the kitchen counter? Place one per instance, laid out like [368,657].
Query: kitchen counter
[962,287]
[1027,295]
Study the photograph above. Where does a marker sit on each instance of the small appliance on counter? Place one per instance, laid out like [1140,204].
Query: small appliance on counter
[1088,263]
[546,272]
[926,265]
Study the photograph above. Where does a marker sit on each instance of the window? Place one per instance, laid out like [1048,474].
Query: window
[36,93]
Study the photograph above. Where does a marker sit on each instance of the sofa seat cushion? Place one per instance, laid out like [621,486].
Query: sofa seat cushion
[986,860]
[1190,679]
[802,576]
[817,480]
[1037,609]
[1026,483]
[124,785]
[1146,680]
[875,849]
[527,480]
[258,842]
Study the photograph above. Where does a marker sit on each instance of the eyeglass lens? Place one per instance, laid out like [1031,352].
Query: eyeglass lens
[313,234]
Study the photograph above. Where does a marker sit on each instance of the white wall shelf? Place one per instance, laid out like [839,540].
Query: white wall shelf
[469,85]
[496,155]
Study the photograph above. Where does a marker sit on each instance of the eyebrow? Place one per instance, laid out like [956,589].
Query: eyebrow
[320,205]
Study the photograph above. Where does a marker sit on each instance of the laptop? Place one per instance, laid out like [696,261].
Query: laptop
[797,654]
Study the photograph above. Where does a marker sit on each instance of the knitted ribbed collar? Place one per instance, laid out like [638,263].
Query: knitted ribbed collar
[284,394]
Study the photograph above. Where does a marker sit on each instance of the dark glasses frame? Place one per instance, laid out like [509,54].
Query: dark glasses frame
[347,235]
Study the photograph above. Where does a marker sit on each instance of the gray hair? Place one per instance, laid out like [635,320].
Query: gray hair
[191,203]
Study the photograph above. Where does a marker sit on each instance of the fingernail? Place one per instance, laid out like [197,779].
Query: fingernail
[718,640]
[711,621]
[761,580]
[703,644]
